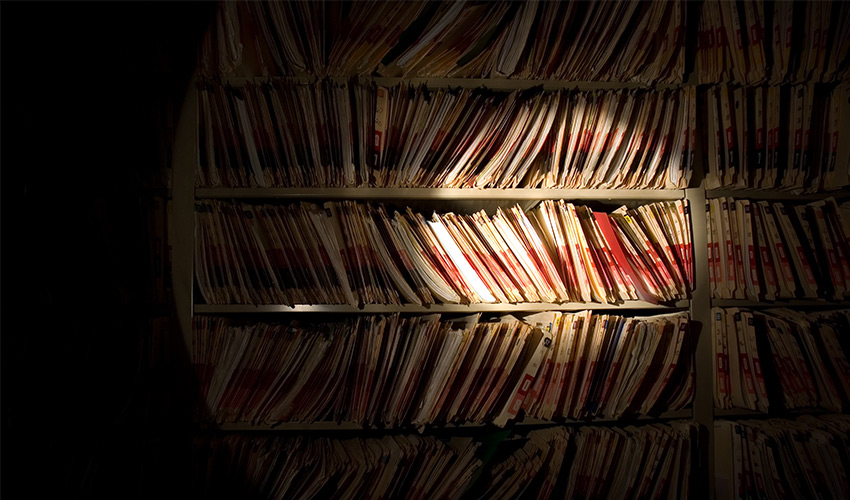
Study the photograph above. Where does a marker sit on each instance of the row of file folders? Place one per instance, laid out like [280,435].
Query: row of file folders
[776,459]
[356,133]
[357,253]
[766,251]
[757,42]
[391,371]
[658,462]
[787,137]
[746,42]
[780,360]
[331,133]
[578,41]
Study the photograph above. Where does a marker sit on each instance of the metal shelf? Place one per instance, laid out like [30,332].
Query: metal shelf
[185,193]
[774,194]
[732,413]
[436,308]
[780,303]
[737,412]
[490,83]
[354,193]
[528,422]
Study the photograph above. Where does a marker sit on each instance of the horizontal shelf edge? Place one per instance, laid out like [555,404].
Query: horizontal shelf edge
[436,308]
[774,194]
[442,193]
[737,412]
[746,413]
[779,303]
[490,83]
[331,426]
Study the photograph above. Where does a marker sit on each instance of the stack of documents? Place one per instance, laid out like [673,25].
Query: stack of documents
[780,359]
[354,253]
[391,371]
[569,40]
[777,459]
[768,251]
[653,461]
[794,138]
[302,468]
[332,133]
[759,42]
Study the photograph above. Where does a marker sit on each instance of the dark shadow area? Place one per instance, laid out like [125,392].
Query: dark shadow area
[86,89]
[97,387]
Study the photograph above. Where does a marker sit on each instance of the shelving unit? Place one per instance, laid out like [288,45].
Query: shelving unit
[699,306]
[707,302]
[185,194]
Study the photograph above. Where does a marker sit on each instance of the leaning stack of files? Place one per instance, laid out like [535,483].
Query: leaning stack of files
[653,461]
[760,250]
[778,459]
[571,40]
[348,133]
[756,42]
[611,367]
[355,253]
[393,371]
[780,360]
[298,467]
[786,137]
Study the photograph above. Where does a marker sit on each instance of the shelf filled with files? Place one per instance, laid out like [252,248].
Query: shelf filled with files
[527,422]
[435,194]
[437,308]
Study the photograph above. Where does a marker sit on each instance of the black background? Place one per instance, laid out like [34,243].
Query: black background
[81,85]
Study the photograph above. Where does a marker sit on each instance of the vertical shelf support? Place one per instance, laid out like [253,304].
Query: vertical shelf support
[701,317]
[183,193]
